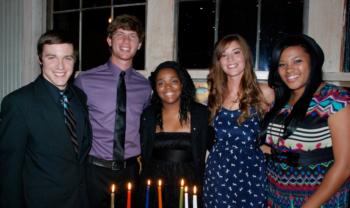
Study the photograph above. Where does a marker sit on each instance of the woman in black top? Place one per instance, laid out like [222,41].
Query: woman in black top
[174,133]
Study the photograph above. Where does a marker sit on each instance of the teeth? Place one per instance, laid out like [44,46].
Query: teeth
[169,93]
[59,74]
[125,49]
[292,77]
[232,66]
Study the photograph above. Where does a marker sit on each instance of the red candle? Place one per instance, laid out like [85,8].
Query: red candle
[160,203]
[128,205]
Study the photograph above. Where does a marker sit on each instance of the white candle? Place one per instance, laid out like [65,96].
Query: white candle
[186,197]
[112,195]
[194,197]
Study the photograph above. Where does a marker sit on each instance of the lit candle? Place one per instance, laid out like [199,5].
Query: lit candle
[160,203]
[186,197]
[128,205]
[194,197]
[147,193]
[181,198]
[112,195]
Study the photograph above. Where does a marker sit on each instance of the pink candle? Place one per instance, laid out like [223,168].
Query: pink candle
[128,205]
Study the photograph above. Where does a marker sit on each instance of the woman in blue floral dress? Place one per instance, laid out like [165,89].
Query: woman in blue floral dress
[235,170]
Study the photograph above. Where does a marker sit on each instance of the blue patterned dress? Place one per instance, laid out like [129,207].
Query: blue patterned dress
[235,170]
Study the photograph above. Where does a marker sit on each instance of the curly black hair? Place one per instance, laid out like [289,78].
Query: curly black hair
[187,95]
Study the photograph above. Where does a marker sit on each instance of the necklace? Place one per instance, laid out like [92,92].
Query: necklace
[235,100]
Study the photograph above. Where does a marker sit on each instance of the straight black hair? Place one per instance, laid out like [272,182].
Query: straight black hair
[282,92]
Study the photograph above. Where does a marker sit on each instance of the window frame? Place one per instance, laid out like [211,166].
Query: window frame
[81,9]
[161,36]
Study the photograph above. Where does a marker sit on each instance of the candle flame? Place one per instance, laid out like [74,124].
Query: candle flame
[129,186]
[182,182]
[113,188]
[110,20]
[148,182]
[186,189]
[194,190]
[159,182]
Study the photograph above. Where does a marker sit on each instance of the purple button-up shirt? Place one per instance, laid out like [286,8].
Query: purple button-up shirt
[100,85]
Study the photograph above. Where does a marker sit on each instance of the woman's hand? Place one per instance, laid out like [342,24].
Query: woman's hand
[265,149]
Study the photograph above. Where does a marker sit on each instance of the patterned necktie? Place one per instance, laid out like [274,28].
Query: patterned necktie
[71,123]
[120,120]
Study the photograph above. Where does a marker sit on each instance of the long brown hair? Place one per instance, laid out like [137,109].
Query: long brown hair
[250,94]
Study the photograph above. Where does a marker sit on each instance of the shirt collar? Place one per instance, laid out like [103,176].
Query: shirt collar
[55,92]
[116,70]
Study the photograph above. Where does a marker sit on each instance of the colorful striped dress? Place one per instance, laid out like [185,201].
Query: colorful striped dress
[290,185]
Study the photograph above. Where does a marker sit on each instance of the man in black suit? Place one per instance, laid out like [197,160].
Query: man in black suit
[42,155]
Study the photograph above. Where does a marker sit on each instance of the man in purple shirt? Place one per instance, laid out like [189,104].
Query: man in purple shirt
[125,36]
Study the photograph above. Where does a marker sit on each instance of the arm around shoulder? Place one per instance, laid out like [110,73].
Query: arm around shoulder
[207,130]
[268,95]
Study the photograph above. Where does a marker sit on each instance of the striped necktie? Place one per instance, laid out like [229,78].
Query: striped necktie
[70,122]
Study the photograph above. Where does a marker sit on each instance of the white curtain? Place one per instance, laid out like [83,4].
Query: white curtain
[21,23]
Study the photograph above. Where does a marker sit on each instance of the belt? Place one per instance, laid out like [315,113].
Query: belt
[302,158]
[112,164]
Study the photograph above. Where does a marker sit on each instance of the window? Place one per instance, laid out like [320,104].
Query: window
[261,22]
[346,67]
[87,20]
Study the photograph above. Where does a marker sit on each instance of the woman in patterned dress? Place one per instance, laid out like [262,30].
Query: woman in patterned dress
[235,169]
[308,129]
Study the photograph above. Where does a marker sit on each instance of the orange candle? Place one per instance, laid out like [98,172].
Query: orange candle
[112,195]
[128,205]
[160,203]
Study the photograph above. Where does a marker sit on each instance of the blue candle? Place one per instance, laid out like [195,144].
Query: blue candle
[147,193]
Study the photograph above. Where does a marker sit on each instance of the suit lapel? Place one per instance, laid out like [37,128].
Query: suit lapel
[54,121]
[83,140]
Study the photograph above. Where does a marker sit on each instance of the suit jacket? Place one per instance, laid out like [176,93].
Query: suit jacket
[38,166]
[202,135]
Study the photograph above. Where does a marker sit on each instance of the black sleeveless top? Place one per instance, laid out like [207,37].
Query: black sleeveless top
[171,160]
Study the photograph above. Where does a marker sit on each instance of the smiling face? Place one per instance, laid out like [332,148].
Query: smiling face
[124,45]
[294,69]
[232,60]
[168,86]
[57,63]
